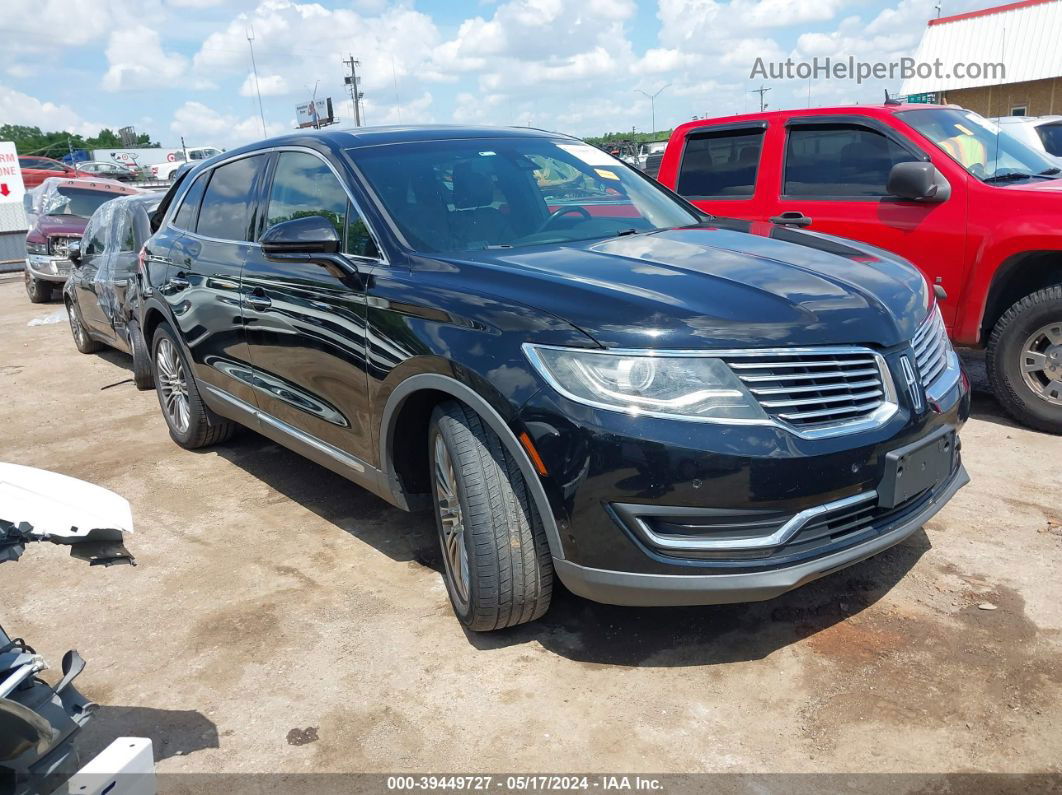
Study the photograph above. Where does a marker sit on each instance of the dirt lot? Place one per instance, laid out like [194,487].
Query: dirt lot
[281,619]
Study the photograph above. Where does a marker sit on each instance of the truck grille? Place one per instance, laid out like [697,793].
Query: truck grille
[805,388]
[60,246]
[931,348]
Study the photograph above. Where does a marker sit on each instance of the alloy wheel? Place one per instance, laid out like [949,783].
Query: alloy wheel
[1041,363]
[451,521]
[173,385]
[75,327]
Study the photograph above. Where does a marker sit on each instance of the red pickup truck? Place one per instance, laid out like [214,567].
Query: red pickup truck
[978,211]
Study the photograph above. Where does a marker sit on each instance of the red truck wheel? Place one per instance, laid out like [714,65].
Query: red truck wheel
[1024,360]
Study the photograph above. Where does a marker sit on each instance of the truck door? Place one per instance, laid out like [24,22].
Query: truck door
[834,172]
[719,170]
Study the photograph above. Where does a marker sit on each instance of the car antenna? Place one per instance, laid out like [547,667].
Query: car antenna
[891,100]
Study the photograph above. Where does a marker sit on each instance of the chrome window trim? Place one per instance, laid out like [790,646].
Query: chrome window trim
[779,537]
[382,259]
[882,414]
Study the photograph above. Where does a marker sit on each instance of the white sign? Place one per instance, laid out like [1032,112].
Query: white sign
[11,187]
[317,112]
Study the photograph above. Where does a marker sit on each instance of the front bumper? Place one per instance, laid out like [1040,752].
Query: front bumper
[607,469]
[48,268]
[662,590]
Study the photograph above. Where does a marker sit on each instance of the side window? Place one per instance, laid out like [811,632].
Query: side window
[304,186]
[358,241]
[839,160]
[722,163]
[230,200]
[94,238]
[125,236]
[189,209]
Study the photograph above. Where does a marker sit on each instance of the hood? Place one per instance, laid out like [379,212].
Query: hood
[720,285]
[1049,186]
[48,225]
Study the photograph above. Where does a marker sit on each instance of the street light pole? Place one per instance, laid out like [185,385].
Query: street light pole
[254,68]
[652,102]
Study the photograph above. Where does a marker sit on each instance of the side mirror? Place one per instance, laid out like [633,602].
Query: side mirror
[918,181]
[307,236]
[73,252]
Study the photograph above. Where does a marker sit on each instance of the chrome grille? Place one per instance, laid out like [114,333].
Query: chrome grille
[808,388]
[931,349]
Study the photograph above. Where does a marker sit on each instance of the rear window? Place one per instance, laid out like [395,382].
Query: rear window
[722,163]
[229,205]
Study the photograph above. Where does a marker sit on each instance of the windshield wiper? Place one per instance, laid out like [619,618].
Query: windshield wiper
[1011,177]
[625,232]
[1050,172]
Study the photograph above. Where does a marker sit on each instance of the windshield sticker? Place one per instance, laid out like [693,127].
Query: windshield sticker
[606,174]
[588,154]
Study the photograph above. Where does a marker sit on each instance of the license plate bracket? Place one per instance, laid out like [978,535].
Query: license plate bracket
[912,469]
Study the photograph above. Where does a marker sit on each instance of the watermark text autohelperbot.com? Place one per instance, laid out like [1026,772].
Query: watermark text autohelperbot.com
[851,68]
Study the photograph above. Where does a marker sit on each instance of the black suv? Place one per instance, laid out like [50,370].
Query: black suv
[582,373]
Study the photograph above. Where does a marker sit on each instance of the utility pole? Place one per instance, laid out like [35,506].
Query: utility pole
[353,81]
[254,68]
[652,102]
[761,91]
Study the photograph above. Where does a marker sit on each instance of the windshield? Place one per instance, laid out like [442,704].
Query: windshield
[1051,135]
[464,195]
[81,202]
[979,145]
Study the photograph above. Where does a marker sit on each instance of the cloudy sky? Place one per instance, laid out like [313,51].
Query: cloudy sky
[182,67]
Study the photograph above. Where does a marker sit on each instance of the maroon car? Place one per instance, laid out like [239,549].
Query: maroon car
[65,206]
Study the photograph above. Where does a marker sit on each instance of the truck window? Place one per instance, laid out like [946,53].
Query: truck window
[839,160]
[720,164]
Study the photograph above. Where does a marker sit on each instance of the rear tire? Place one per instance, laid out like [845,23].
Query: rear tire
[39,292]
[82,341]
[498,568]
[1024,360]
[143,376]
[192,425]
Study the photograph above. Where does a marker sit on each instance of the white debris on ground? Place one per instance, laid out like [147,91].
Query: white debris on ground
[58,316]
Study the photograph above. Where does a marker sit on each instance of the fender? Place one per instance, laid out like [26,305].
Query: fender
[992,260]
[492,418]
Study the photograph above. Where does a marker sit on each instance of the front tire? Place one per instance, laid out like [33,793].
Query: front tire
[39,292]
[192,425]
[1024,360]
[498,568]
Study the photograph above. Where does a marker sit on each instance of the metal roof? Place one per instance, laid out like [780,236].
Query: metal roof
[1023,36]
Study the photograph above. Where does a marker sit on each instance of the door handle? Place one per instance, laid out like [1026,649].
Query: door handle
[791,218]
[258,300]
[179,282]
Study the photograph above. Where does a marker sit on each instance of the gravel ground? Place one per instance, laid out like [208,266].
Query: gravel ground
[282,620]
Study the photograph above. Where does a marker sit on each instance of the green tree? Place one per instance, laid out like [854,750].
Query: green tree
[32,141]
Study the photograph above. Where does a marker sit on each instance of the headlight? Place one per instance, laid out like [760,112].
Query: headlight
[33,247]
[642,382]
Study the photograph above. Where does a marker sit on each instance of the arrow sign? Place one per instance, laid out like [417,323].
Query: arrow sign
[4,190]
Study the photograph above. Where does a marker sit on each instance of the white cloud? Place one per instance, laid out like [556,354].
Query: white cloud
[137,61]
[268,85]
[19,108]
[48,25]
[204,125]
